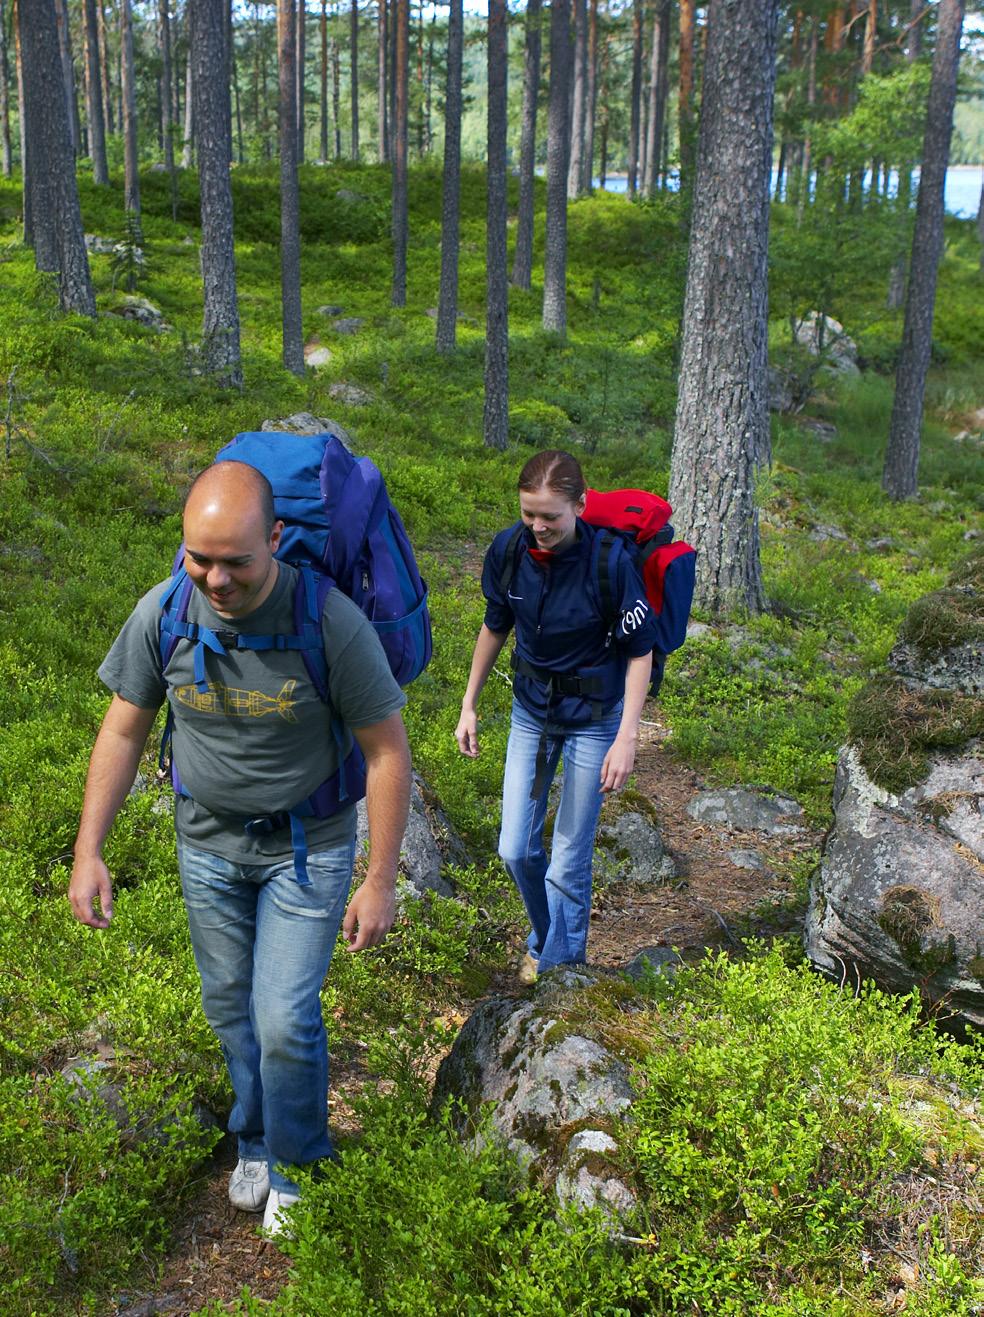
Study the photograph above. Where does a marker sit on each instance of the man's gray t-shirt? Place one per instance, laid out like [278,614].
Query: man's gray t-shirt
[259,740]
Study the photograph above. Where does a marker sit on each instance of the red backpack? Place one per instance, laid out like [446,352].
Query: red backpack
[642,522]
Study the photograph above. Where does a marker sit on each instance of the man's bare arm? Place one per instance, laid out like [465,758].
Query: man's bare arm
[388,772]
[112,768]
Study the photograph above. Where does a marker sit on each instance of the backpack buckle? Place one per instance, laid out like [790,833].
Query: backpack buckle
[265,824]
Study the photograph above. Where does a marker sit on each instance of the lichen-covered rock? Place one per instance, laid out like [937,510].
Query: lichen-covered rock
[349,394]
[557,1092]
[941,642]
[143,311]
[749,810]
[653,960]
[630,848]
[428,844]
[899,897]
[824,337]
[305,423]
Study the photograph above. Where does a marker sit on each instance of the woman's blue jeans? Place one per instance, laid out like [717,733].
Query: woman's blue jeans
[556,892]
[263,946]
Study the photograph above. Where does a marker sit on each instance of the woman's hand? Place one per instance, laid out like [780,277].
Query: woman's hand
[618,763]
[466,733]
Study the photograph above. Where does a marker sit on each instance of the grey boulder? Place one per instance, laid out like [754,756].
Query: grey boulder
[748,809]
[899,896]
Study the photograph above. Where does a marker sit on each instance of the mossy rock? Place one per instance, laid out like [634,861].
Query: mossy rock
[896,724]
[970,570]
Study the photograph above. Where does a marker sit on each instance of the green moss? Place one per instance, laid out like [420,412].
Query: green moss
[907,917]
[945,618]
[975,968]
[895,725]
[938,808]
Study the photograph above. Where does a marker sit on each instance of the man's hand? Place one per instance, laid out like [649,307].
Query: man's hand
[91,883]
[372,910]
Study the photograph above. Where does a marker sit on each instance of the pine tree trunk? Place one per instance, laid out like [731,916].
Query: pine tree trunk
[558,146]
[722,420]
[68,73]
[323,154]
[336,93]
[237,101]
[806,164]
[301,65]
[587,159]
[51,160]
[187,154]
[105,67]
[900,476]
[354,51]
[603,153]
[574,164]
[400,135]
[870,28]
[917,12]
[657,93]
[429,84]
[167,98]
[131,185]
[447,304]
[26,187]
[290,209]
[685,114]
[522,271]
[209,85]
[496,417]
[6,155]
[634,95]
[980,224]
[381,93]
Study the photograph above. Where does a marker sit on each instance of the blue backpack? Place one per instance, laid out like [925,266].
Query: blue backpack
[340,529]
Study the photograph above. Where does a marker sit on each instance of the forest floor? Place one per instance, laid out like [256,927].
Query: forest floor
[712,902]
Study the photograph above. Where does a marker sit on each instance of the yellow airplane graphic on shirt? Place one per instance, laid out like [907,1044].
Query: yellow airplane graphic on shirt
[237,703]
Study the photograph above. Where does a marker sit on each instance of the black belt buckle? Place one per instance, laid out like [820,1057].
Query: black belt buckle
[265,824]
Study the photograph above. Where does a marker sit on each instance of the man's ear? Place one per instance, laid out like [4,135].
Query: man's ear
[275,534]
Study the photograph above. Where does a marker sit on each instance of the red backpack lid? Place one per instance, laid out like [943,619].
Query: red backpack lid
[635,510]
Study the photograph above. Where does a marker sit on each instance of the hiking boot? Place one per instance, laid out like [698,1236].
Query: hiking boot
[274,1221]
[249,1184]
[527,970]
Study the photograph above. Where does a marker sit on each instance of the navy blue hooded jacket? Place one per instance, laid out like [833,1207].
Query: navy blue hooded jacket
[555,607]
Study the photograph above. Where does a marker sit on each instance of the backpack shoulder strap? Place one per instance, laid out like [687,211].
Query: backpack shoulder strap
[510,558]
[605,572]
[310,593]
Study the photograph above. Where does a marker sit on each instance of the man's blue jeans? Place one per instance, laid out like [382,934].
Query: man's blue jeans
[556,893]
[263,946]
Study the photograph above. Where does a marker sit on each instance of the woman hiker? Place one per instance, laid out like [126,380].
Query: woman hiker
[580,682]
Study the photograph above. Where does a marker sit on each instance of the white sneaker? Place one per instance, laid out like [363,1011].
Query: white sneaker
[249,1184]
[274,1220]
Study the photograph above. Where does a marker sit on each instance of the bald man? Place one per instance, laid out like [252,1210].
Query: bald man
[253,744]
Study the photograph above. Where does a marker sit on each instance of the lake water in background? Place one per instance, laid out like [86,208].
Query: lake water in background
[961,195]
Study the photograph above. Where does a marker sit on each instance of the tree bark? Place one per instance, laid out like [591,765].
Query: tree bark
[587,158]
[290,210]
[55,199]
[686,96]
[131,184]
[6,155]
[558,146]
[980,223]
[354,43]
[301,65]
[167,78]
[68,73]
[447,303]
[400,131]
[522,271]
[28,204]
[900,476]
[574,164]
[209,85]
[722,420]
[496,416]
[868,49]
[381,92]
[634,98]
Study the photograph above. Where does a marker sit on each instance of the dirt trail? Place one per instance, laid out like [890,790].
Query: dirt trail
[712,902]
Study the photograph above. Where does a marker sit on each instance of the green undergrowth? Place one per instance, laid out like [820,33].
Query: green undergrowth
[781,1131]
[105,425]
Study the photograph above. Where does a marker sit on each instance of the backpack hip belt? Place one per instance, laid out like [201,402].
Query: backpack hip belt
[557,683]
